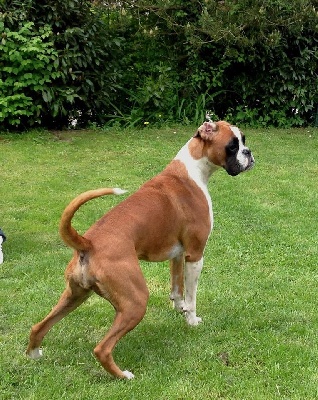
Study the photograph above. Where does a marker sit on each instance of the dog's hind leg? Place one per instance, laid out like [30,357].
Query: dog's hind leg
[71,298]
[177,282]
[130,304]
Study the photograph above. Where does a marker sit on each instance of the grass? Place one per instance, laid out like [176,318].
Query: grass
[257,293]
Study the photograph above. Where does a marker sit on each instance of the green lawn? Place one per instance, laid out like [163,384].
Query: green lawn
[257,293]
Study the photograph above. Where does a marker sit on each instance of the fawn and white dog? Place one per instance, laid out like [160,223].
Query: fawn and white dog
[168,218]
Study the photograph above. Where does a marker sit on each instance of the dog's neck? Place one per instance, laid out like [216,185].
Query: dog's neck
[199,169]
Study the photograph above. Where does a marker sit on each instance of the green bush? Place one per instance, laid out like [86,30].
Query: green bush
[84,64]
[256,62]
[138,61]
[26,72]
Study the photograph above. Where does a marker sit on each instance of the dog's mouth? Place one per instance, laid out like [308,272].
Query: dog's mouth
[238,168]
[250,164]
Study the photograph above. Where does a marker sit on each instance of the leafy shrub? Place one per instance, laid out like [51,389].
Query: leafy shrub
[137,61]
[258,60]
[83,70]
[252,62]
[26,72]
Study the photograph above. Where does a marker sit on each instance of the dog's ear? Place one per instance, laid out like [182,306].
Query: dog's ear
[207,130]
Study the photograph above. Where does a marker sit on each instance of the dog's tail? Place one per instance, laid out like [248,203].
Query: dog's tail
[67,232]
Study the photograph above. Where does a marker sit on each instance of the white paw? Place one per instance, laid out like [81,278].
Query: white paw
[128,375]
[35,353]
[193,320]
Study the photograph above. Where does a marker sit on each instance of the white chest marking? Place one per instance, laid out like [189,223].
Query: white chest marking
[200,171]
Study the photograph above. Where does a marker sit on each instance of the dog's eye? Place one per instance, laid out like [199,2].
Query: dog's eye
[243,139]
[233,146]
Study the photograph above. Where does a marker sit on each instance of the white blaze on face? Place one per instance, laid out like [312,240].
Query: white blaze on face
[241,157]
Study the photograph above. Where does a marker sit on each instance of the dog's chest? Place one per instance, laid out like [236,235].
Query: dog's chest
[199,172]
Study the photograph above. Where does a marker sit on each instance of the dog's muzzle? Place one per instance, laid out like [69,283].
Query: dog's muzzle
[250,160]
[235,165]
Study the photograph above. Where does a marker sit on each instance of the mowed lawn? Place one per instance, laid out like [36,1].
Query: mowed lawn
[258,292]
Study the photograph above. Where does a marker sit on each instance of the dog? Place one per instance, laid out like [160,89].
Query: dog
[2,240]
[168,218]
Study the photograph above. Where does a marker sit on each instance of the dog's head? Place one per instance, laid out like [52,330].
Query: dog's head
[224,146]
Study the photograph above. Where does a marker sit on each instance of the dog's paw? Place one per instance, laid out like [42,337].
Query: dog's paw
[35,353]
[128,375]
[193,320]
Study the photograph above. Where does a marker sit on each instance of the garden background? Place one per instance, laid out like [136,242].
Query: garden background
[132,62]
[116,67]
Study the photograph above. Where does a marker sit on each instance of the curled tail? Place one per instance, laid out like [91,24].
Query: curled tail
[69,235]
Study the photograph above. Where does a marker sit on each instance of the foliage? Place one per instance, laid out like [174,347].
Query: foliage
[129,62]
[82,76]
[255,62]
[26,72]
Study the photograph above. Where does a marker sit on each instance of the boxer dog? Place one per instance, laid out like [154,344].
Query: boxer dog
[168,218]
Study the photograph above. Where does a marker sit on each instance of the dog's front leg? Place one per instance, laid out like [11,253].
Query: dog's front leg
[177,283]
[192,274]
